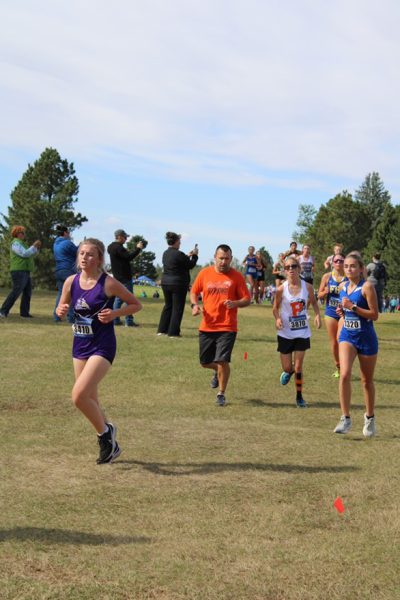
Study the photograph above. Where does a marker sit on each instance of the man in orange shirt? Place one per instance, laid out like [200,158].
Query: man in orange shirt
[223,291]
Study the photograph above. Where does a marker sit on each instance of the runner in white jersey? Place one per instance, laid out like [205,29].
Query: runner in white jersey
[291,321]
[307,264]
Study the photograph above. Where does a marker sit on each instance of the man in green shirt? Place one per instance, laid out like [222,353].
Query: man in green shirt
[21,265]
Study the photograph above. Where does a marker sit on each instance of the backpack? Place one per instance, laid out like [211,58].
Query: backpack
[379,271]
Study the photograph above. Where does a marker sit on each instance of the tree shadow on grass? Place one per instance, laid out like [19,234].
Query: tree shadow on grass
[66,536]
[184,469]
[388,381]
[321,404]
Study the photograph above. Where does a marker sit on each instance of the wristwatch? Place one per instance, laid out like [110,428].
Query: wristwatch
[354,308]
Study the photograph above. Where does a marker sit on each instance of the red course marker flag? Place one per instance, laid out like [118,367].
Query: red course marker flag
[245,356]
[338,504]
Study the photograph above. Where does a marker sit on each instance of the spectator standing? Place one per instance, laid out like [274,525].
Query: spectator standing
[376,274]
[121,269]
[21,265]
[64,251]
[223,291]
[175,284]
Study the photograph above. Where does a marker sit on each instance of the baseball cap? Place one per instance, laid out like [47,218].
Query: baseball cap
[121,232]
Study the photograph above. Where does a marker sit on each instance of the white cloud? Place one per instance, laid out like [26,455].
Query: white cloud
[228,91]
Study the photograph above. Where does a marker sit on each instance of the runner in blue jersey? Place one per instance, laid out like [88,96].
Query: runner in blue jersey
[329,291]
[91,293]
[358,309]
[250,263]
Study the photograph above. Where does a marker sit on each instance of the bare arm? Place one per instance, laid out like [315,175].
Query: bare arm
[314,304]
[112,287]
[65,299]
[323,288]
[369,293]
[241,303]
[276,308]
[194,303]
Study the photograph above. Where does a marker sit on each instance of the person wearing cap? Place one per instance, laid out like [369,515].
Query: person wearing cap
[175,284]
[121,268]
[21,265]
[64,251]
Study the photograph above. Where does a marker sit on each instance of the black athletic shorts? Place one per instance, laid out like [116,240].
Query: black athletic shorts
[286,346]
[216,346]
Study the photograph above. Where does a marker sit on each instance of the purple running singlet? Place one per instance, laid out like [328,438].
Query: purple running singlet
[91,337]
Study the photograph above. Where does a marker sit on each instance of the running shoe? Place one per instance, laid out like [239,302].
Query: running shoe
[301,403]
[214,380]
[285,377]
[343,426]
[107,444]
[116,453]
[369,428]
[220,400]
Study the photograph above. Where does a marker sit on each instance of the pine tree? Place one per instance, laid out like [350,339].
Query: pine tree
[391,254]
[373,196]
[143,264]
[43,198]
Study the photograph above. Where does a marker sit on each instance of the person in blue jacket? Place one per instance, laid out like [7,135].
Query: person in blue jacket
[65,256]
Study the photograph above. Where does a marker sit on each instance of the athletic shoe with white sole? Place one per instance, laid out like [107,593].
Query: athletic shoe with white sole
[107,444]
[116,453]
[369,428]
[343,426]
[285,377]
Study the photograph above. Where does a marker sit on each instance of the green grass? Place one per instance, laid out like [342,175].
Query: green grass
[204,503]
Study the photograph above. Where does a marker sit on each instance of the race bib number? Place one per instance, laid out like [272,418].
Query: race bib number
[334,302]
[353,323]
[83,327]
[296,323]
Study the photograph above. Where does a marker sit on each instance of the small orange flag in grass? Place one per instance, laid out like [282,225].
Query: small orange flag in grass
[338,504]
[246,356]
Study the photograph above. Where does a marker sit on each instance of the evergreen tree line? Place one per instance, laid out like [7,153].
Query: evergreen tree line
[48,190]
[367,222]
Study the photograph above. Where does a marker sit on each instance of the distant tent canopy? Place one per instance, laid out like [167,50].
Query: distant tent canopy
[144,280]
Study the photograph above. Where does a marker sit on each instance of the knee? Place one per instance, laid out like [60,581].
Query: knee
[367,383]
[78,397]
[345,376]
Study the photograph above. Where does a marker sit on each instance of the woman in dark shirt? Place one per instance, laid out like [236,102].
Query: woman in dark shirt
[175,284]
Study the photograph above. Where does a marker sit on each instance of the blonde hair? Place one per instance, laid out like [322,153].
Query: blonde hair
[99,247]
[356,256]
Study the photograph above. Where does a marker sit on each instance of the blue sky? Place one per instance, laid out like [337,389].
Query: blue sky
[215,119]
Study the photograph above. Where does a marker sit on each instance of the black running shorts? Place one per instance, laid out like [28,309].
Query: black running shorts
[216,346]
[286,346]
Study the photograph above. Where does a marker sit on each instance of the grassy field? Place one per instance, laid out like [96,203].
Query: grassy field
[204,503]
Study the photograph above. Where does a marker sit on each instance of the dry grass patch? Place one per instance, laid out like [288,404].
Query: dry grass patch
[204,503]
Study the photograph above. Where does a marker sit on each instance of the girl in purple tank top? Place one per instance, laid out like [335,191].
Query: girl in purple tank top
[91,293]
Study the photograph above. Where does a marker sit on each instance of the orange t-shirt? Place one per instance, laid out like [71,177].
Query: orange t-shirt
[215,289]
